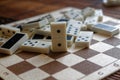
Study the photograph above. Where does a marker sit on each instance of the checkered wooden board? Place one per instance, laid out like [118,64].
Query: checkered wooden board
[94,63]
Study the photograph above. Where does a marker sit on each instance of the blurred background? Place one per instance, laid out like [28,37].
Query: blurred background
[12,10]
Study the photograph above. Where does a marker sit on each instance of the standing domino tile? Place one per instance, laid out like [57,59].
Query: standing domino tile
[105,29]
[8,30]
[99,13]
[10,46]
[58,34]
[88,11]
[36,46]
[73,27]
[84,39]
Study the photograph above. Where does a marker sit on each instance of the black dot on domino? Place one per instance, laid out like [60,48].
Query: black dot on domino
[3,32]
[79,36]
[70,24]
[78,22]
[82,38]
[87,37]
[43,44]
[59,44]
[13,32]
[58,31]
[32,45]
[8,31]
[25,44]
[36,41]
[78,40]
[29,41]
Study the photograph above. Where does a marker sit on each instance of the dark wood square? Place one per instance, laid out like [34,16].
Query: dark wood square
[53,67]
[112,41]
[86,67]
[86,53]
[114,52]
[21,67]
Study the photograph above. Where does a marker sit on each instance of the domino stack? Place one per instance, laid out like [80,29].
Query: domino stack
[56,30]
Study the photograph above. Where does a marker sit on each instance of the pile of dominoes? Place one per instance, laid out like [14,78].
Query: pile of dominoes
[55,32]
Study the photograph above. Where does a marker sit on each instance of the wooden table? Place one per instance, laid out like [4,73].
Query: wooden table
[20,9]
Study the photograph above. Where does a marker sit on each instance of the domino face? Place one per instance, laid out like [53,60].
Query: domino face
[46,30]
[105,29]
[74,23]
[58,34]
[36,46]
[73,27]
[84,39]
[91,21]
[8,30]
[43,22]
[49,17]
[72,14]
[10,46]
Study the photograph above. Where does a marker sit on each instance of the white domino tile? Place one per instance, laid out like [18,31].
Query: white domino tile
[101,47]
[40,60]
[10,60]
[70,60]
[68,74]
[102,59]
[34,74]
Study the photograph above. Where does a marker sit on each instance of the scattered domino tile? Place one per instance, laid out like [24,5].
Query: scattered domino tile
[10,46]
[88,11]
[8,30]
[81,64]
[84,39]
[36,46]
[105,29]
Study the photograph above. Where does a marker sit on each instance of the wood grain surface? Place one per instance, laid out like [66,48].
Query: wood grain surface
[20,9]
